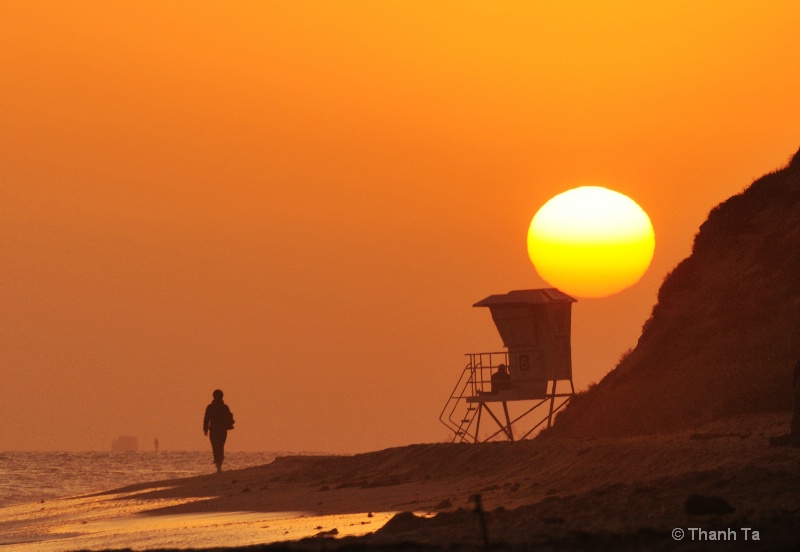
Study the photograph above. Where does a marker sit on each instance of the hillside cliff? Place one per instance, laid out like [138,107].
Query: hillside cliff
[724,334]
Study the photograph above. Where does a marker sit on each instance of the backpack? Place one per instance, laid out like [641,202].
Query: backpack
[227,419]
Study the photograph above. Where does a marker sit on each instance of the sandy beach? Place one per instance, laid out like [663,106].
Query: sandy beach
[554,493]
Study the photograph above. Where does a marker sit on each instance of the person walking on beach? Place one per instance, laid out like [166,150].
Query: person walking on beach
[217,421]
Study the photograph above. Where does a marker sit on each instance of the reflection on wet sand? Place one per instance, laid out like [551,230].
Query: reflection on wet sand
[121,520]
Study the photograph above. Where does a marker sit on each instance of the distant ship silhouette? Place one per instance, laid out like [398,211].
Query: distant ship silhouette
[125,443]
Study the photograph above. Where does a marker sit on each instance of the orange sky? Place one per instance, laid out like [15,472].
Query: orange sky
[299,202]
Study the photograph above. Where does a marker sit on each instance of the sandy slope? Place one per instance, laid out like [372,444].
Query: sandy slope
[551,491]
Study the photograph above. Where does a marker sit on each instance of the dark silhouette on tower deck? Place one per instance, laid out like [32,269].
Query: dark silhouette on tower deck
[501,380]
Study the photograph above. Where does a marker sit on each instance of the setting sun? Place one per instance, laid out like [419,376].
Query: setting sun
[591,241]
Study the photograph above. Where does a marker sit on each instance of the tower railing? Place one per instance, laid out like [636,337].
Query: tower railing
[475,379]
[472,394]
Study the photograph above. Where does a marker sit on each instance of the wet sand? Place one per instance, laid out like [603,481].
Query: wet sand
[551,493]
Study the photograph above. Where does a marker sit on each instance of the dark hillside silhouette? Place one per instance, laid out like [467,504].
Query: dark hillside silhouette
[724,335]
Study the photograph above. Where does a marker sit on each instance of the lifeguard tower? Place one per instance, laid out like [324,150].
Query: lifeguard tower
[535,327]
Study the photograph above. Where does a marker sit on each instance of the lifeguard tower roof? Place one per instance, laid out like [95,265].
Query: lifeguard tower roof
[526,297]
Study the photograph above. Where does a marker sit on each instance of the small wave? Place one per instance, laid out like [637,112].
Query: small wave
[36,476]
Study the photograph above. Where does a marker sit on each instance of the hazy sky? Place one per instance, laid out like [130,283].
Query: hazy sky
[298,202]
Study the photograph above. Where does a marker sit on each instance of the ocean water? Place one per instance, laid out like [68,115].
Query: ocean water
[44,505]
[37,476]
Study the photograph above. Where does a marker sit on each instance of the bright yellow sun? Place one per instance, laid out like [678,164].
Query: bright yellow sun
[591,242]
